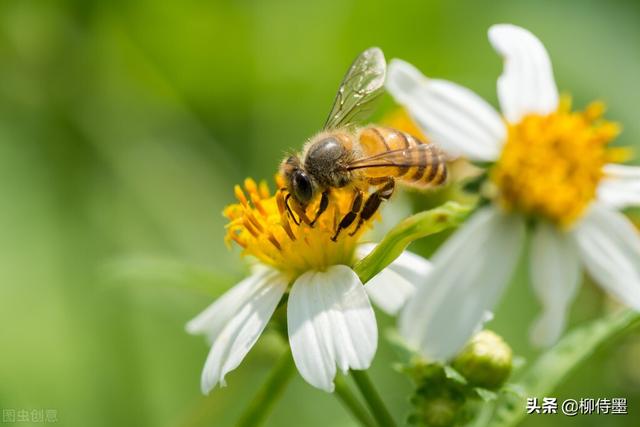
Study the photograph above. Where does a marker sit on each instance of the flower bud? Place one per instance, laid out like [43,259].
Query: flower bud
[441,411]
[485,361]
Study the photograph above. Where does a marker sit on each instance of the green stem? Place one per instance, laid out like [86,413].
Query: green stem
[422,224]
[351,402]
[271,391]
[373,399]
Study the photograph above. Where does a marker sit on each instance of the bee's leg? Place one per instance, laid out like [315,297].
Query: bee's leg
[348,219]
[373,203]
[302,216]
[302,213]
[286,203]
[324,203]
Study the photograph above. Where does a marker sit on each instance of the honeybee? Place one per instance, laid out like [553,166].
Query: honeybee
[344,155]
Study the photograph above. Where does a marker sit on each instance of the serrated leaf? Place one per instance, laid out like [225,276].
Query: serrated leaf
[423,224]
[151,270]
[554,365]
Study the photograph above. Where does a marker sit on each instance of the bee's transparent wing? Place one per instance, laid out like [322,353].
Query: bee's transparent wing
[361,86]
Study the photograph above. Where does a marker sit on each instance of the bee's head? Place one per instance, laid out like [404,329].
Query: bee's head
[299,183]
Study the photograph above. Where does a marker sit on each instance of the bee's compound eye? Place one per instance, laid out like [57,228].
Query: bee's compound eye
[302,188]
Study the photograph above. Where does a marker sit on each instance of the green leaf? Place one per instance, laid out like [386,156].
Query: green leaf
[165,272]
[555,364]
[485,394]
[423,224]
[514,389]
[454,375]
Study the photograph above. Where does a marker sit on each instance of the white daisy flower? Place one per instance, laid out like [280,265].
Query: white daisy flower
[330,320]
[549,167]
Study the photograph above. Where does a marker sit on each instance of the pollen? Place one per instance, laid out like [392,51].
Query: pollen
[551,165]
[262,225]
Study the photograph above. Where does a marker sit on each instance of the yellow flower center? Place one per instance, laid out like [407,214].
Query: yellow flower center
[550,165]
[263,226]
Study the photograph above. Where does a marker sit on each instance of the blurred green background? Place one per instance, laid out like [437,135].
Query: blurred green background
[124,125]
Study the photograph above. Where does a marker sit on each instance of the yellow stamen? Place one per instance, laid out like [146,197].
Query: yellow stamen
[551,165]
[287,228]
[253,220]
[275,242]
[255,199]
[264,189]
[240,195]
[237,239]
[250,228]
[250,185]
[262,225]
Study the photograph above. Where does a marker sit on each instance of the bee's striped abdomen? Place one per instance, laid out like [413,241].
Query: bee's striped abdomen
[417,164]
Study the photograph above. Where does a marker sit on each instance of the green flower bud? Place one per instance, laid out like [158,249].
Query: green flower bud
[440,411]
[485,361]
[438,400]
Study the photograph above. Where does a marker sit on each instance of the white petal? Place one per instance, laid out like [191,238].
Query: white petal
[469,273]
[526,85]
[215,317]
[365,249]
[235,321]
[411,267]
[619,194]
[391,288]
[452,116]
[331,323]
[609,245]
[622,171]
[620,188]
[555,274]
